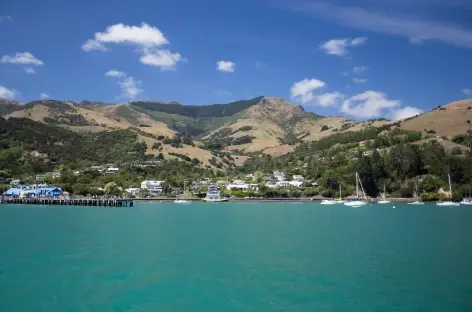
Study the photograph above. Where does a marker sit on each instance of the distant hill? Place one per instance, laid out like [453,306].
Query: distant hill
[237,129]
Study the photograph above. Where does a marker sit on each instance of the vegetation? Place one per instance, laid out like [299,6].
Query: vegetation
[215,110]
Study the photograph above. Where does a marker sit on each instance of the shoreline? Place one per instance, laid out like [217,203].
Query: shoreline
[259,200]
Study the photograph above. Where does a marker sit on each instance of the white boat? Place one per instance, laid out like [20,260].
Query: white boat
[356,202]
[213,195]
[448,203]
[183,201]
[416,202]
[384,200]
[466,202]
[328,202]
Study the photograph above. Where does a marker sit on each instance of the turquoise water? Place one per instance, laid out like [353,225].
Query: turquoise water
[235,257]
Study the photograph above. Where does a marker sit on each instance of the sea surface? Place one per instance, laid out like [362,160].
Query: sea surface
[235,257]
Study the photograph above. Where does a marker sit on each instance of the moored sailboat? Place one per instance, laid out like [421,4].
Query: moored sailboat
[417,201]
[357,202]
[384,200]
[449,203]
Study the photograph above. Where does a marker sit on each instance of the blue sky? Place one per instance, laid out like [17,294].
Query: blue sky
[363,59]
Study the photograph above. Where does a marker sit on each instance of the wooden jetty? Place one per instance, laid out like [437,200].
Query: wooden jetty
[96,202]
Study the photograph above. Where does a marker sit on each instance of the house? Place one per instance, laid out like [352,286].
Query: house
[27,192]
[152,186]
[133,191]
[298,177]
[367,153]
[239,185]
[40,177]
[112,170]
[53,175]
[16,182]
[96,168]
[15,191]
[280,176]
[297,184]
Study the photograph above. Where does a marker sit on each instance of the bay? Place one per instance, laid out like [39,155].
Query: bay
[235,257]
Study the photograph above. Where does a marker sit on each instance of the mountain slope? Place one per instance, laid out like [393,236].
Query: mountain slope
[449,120]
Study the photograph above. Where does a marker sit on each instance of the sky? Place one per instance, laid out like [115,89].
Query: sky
[359,58]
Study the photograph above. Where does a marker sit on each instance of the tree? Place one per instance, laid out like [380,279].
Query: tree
[112,189]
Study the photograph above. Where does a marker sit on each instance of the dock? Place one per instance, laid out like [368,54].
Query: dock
[92,202]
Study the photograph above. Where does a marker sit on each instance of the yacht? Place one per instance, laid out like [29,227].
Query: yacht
[357,202]
[334,201]
[466,202]
[183,201]
[449,203]
[384,200]
[213,195]
[416,202]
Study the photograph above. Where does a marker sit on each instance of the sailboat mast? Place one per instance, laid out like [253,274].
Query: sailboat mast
[450,187]
[340,193]
[357,186]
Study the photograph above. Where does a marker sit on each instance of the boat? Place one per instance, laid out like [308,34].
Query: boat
[449,203]
[384,200]
[334,201]
[416,202]
[357,202]
[467,201]
[183,201]
[213,195]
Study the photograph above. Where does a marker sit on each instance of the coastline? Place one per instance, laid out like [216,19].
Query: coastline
[260,200]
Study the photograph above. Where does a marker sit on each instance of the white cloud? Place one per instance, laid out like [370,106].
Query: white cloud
[416,29]
[5,18]
[328,99]
[339,46]
[93,45]
[467,91]
[130,88]
[144,35]
[359,80]
[303,90]
[115,73]
[22,58]
[164,59]
[405,112]
[359,69]
[7,93]
[149,39]
[226,66]
[368,104]
[30,70]
[44,96]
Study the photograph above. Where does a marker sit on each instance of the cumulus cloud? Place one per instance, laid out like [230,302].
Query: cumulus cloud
[328,99]
[115,73]
[93,45]
[368,104]
[302,91]
[7,93]
[44,96]
[417,30]
[130,88]
[164,59]
[149,40]
[340,47]
[226,66]
[467,91]
[359,80]
[144,35]
[22,58]
[30,70]
[405,112]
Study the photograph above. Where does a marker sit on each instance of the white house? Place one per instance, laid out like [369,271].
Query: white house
[133,191]
[239,185]
[298,177]
[280,176]
[152,186]
[112,170]
[297,184]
